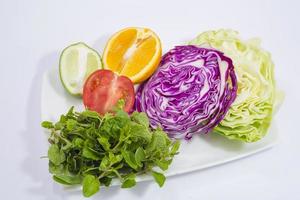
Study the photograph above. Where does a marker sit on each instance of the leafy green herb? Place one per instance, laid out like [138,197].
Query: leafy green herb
[128,183]
[67,179]
[56,155]
[163,165]
[91,185]
[139,156]
[140,118]
[159,178]
[120,104]
[47,124]
[89,149]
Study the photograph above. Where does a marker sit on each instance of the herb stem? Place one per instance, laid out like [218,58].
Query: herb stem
[119,143]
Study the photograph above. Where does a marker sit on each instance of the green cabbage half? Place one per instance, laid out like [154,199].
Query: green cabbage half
[250,115]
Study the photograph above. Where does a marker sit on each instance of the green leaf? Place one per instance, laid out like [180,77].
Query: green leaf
[73,163]
[56,169]
[129,158]
[119,166]
[158,142]
[139,156]
[59,125]
[55,155]
[67,146]
[163,165]
[120,104]
[113,125]
[70,111]
[114,158]
[90,185]
[89,153]
[71,123]
[47,124]
[159,178]
[128,183]
[67,179]
[104,143]
[106,181]
[91,114]
[140,118]
[63,119]
[78,142]
[139,133]
[104,163]
[175,147]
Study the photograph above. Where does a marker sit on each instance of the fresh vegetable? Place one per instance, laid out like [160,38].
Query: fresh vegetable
[251,113]
[77,62]
[103,89]
[133,52]
[190,92]
[89,149]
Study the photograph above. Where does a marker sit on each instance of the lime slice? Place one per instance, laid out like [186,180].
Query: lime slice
[76,63]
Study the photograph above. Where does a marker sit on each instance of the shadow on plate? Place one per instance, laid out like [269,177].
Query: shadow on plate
[221,142]
[34,137]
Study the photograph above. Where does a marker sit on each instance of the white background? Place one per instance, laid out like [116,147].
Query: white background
[32,33]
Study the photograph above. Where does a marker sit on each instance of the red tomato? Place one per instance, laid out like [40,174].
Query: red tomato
[103,89]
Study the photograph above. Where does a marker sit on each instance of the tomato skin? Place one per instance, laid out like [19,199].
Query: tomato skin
[103,89]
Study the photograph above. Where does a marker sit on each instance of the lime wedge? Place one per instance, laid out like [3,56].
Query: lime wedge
[76,63]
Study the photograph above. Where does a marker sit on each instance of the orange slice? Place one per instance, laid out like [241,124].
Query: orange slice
[133,52]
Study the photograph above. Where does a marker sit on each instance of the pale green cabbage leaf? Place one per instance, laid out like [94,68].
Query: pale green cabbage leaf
[250,115]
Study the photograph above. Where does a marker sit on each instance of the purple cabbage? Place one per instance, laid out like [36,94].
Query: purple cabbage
[190,92]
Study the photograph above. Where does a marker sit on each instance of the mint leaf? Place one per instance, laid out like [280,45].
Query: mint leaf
[158,142]
[71,123]
[159,178]
[67,179]
[78,142]
[59,125]
[140,118]
[90,153]
[106,181]
[104,143]
[90,185]
[175,147]
[128,183]
[139,132]
[56,169]
[129,158]
[55,155]
[70,111]
[91,114]
[120,104]
[104,163]
[122,114]
[163,165]
[114,158]
[47,124]
[139,156]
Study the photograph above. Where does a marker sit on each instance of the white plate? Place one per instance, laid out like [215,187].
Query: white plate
[201,152]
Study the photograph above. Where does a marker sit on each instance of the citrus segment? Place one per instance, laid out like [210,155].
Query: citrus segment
[118,48]
[133,52]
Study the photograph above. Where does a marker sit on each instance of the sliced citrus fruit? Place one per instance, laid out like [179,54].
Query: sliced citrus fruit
[133,52]
[76,63]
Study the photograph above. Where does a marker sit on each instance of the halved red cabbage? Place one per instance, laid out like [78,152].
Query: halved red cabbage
[190,92]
